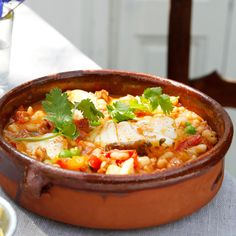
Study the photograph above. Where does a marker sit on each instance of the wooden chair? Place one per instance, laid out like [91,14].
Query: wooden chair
[224,91]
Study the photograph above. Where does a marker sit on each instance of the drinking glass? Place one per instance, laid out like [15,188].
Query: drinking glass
[6,24]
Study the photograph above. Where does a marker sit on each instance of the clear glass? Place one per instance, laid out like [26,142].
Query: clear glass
[6,24]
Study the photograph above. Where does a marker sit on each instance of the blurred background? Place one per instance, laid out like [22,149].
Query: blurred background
[132,35]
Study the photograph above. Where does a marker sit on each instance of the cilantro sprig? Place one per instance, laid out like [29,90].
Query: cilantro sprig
[156,97]
[148,102]
[59,112]
[58,109]
[140,104]
[119,111]
[89,111]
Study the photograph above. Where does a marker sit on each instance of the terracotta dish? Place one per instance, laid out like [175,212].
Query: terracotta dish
[111,201]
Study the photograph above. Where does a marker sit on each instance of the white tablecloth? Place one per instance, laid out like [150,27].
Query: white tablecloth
[38,50]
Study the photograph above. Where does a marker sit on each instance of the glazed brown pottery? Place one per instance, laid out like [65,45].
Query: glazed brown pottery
[110,201]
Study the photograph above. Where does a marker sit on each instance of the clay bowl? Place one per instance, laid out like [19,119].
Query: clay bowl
[113,202]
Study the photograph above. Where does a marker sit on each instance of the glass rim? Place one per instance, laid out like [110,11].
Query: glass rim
[9,15]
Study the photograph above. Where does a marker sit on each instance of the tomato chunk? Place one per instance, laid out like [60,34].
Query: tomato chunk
[189,142]
[94,162]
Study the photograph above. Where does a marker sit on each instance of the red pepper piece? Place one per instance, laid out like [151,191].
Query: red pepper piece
[62,163]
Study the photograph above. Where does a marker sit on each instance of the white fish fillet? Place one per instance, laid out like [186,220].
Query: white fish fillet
[127,132]
[149,129]
[53,146]
[156,128]
[108,134]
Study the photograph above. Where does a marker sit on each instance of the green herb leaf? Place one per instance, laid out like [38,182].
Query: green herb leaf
[95,123]
[89,111]
[119,111]
[58,109]
[155,96]
[65,153]
[165,103]
[190,129]
[148,102]
[141,104]
[152,92]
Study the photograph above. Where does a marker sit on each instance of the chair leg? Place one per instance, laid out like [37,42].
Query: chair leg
[179,40]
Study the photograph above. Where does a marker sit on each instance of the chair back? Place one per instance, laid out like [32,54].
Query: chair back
[179,41]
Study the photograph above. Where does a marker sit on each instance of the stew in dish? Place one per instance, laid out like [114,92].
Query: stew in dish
[98,133]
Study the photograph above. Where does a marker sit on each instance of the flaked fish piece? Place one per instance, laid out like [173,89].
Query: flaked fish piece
[126,132]
[139,135]
[78,95]
[113,133]
[108,133]
[103,134]
[52,146]
[157,128]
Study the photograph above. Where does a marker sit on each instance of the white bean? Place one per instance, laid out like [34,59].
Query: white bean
[162,163]
[37,115]
[144,161]
[113,170]
[32,127]
[210,136]
[127,167]
[199,149]
[174,162]
[103,164]
[118,155]
[167,155]
[30,111]
[13,128]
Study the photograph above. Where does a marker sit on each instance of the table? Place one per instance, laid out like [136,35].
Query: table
[37,50]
